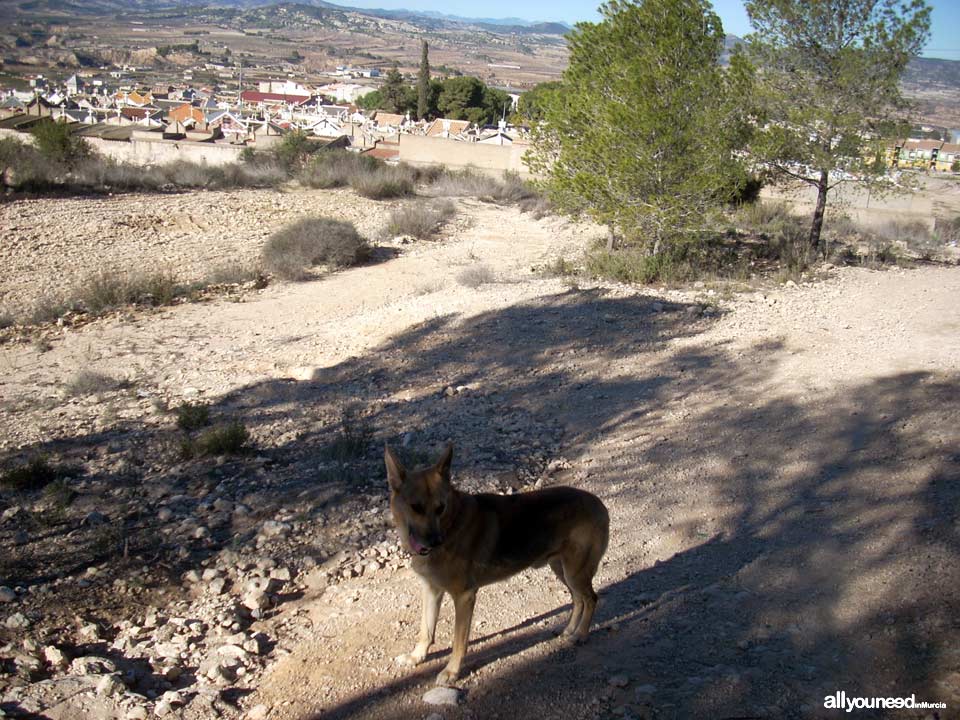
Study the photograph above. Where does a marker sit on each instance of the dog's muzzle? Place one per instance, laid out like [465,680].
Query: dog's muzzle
[419,548]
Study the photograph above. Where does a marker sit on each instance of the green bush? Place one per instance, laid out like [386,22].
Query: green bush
[36,473]
[56,144]
[227,439]
[291,251]
[192,416]
[293,150]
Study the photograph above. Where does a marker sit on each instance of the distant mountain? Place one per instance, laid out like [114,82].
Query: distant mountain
[428,18]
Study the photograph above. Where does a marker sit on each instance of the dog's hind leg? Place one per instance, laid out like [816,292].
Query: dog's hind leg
[432,596]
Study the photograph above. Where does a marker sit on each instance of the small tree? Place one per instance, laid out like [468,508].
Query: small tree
[640,134]
[828,82]
[423,84]
[395,94]
[55,142]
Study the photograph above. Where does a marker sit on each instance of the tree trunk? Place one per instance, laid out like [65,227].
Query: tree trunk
[817,225]
[611,239]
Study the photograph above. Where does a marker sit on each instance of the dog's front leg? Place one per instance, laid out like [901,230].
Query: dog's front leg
[463,604]
[432,596]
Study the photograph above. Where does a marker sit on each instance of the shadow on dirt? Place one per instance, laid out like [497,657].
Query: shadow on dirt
[822,537]
[817,533]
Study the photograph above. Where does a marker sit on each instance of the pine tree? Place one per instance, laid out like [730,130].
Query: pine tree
[828,85]
[641,132]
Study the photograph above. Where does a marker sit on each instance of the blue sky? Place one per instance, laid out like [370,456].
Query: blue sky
[944,41]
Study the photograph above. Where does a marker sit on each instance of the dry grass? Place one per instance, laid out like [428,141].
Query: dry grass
[91,382]
[476,275]
[420,219]
[293,250]
[474,183]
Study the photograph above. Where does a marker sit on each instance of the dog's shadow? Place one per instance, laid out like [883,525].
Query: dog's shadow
[509,641]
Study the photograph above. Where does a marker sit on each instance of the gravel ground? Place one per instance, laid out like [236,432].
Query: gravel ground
[780,467]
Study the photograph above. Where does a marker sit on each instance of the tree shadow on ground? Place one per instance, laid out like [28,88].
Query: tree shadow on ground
[821,536]
[771,548]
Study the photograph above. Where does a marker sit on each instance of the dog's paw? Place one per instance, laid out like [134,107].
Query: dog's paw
[447,677]
[411,659]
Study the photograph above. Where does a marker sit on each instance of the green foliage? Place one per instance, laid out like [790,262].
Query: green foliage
[395,95]
[192,416]
[829,86]
[56,144]
[294,149]
[228,439]
[423,83]
[371,101]
[532,104]
[458,95]
[32,475]
[640,135]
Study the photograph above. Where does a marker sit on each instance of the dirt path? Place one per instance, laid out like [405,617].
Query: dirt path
[781,469]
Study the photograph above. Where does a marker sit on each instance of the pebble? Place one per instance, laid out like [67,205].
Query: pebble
[109,685]
[258,712]
[17,621]
[619,681]
[442,696]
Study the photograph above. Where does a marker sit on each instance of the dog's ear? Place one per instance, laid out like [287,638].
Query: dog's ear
[396,473]
[442,468]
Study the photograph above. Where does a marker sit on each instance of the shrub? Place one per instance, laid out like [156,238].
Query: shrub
[23,168]
[538,206]
[233,273]
[947,229]
[419,219]
[90,382]
[353,438]
[55,143]
[36,473]
[560,267]
[335,168]
[192,416]
[473,183]
[294,149]
[476,275]
[291,251]
[384,182]
[106,290]
[679,262]
[227,439]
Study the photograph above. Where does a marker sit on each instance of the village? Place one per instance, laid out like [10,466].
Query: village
[213,124]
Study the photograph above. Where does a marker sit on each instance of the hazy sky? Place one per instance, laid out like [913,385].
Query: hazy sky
[944,40]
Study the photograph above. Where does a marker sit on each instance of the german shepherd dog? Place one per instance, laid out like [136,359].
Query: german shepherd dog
[461,542]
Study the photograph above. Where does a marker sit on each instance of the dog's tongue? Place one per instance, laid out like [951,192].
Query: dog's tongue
[416,546]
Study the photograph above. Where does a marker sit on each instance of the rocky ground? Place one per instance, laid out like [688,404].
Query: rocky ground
[780,465]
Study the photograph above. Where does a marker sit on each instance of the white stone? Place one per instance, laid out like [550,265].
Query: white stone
[442,696]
